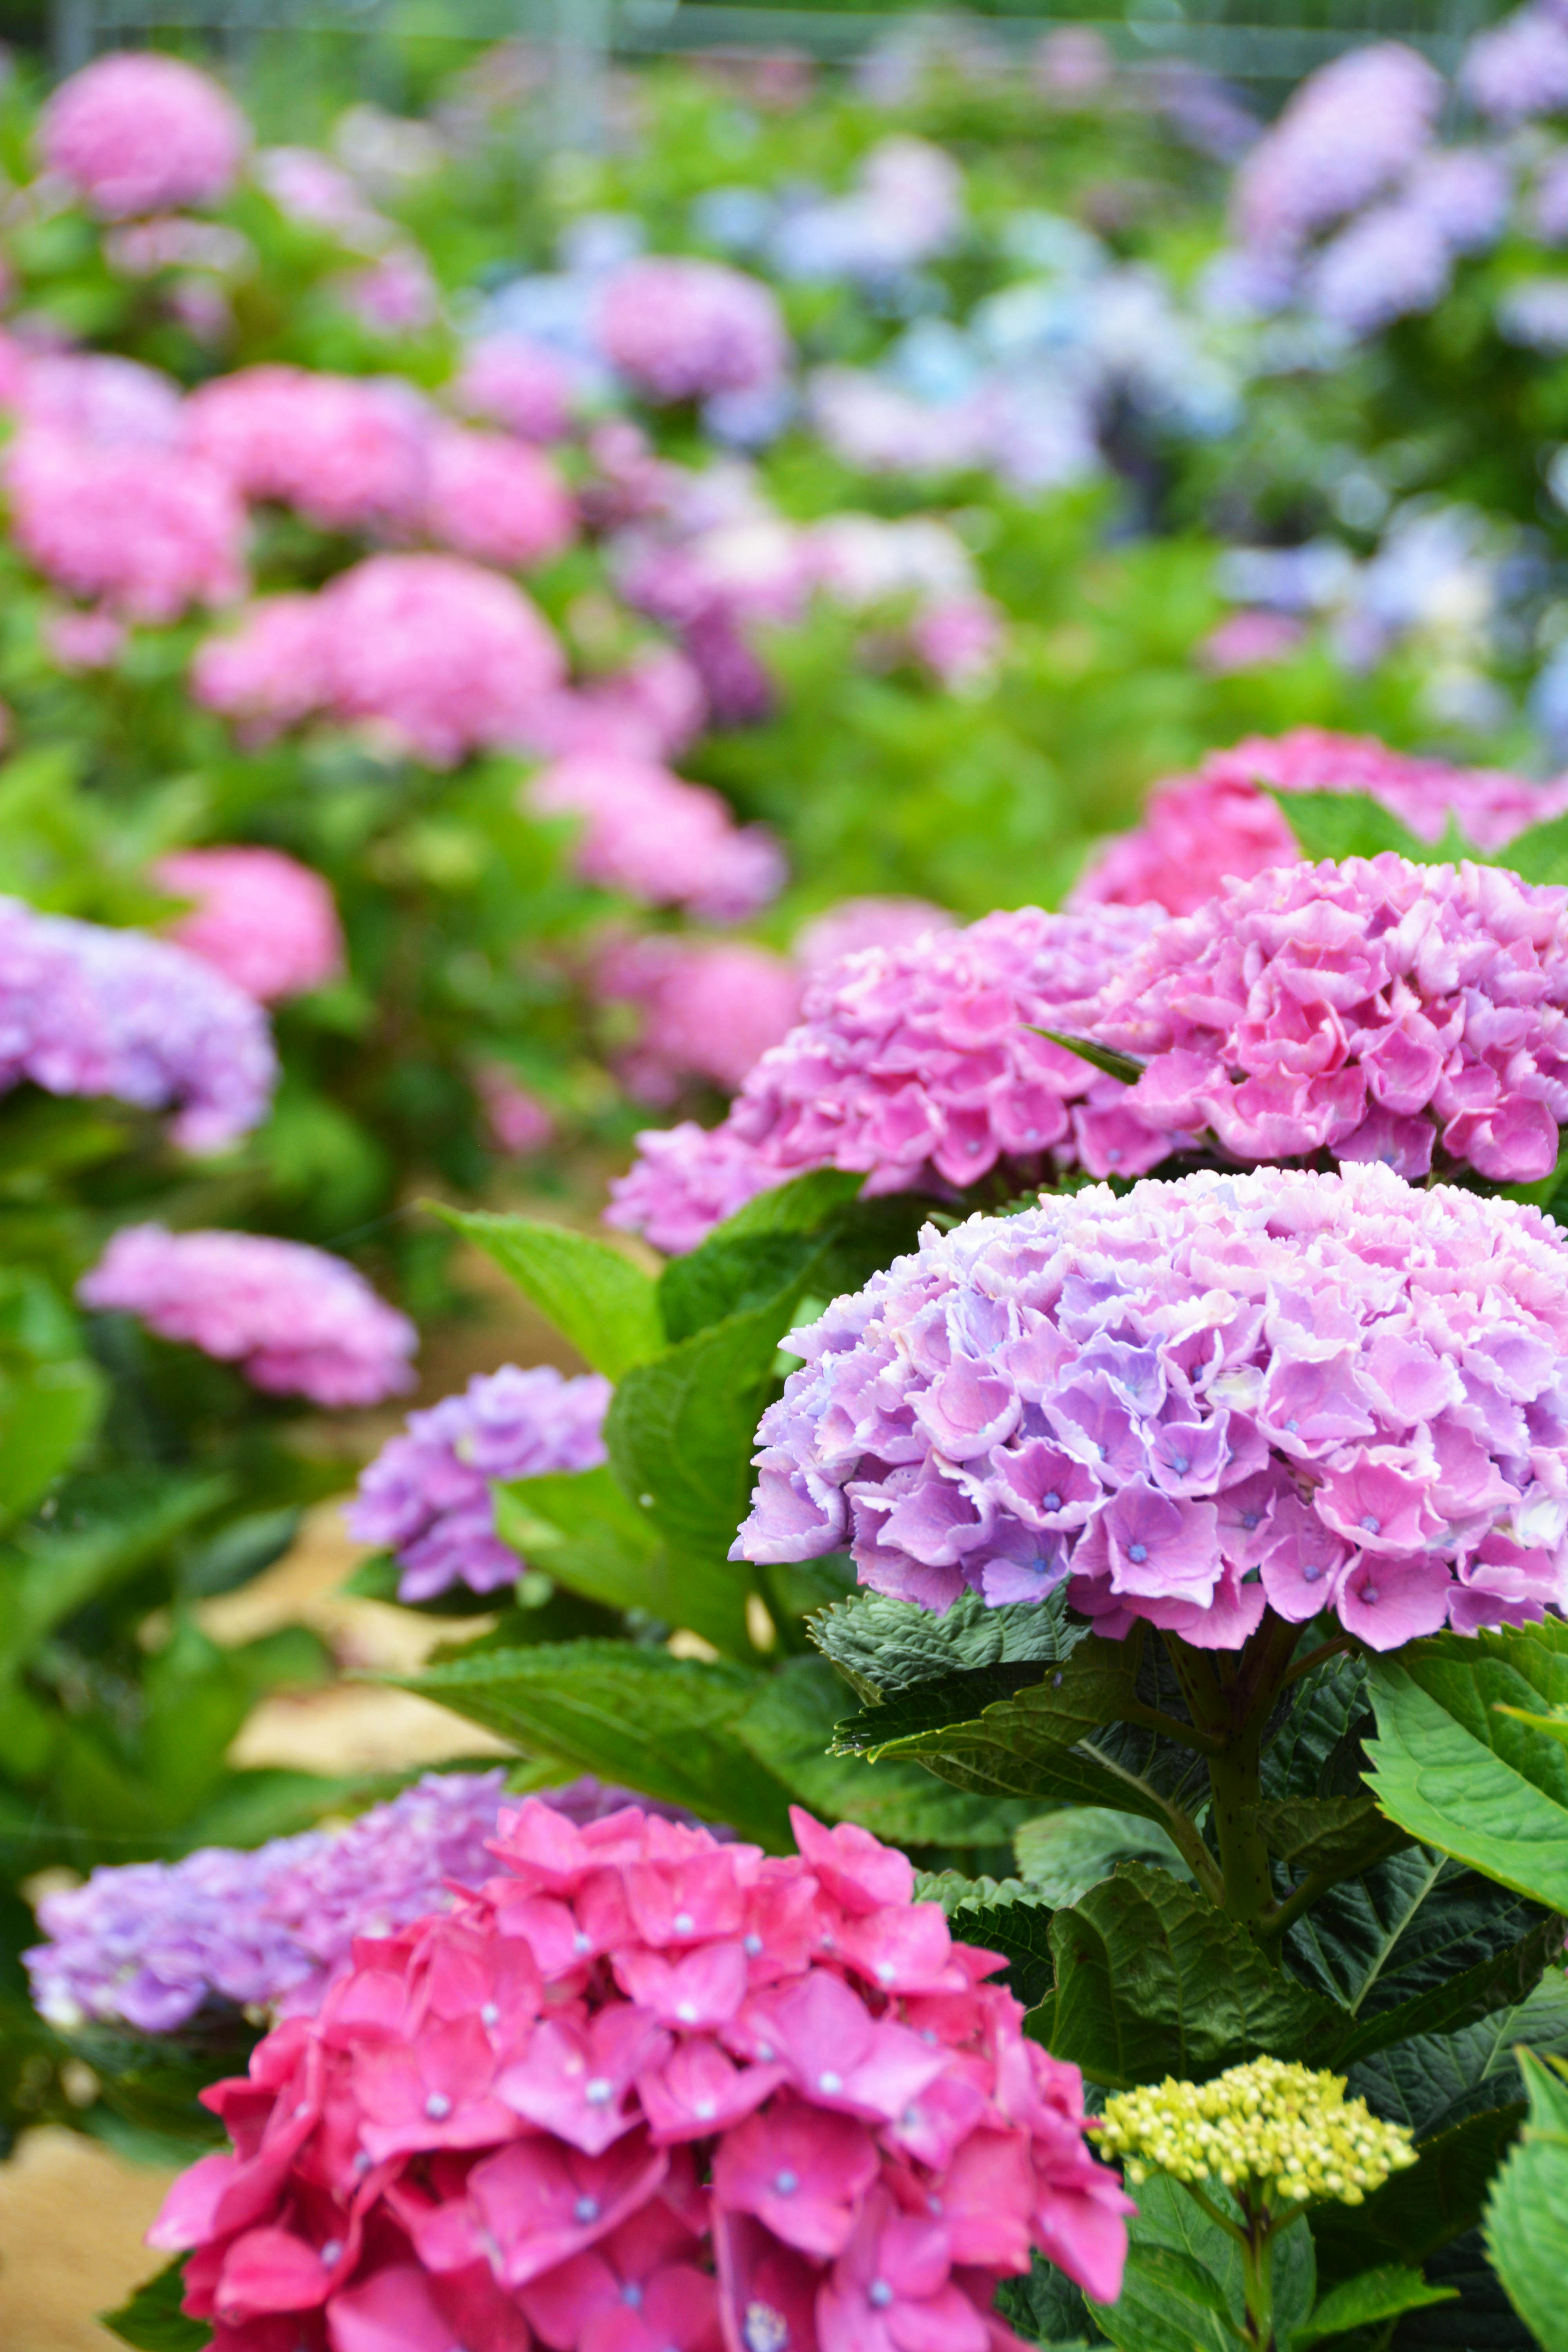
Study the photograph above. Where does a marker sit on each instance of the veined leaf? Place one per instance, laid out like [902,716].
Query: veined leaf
[1062,1854]
[1381,2293]
[1182,2290]
[1527,2213]
[584,1530]
[1417,2211]
[151,2321]
[1021,1929]
[1350,825]
[1336,1837]
[884,1646]
[595,1297]
[1430,2082]
[755,1254]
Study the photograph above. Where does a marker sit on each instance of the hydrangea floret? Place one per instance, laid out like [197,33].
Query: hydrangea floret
[643,2089]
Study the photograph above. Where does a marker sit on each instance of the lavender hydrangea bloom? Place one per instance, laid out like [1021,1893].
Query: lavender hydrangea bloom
[1391,261]
[147,1944]
[1519,67]
[85,1010]
[1351,129]
[425,1496]
[1299,1391]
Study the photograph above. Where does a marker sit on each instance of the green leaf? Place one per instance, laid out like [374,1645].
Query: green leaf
[1540,855]
[1152,1980]
[1381,2293]
[755,1254]
[584,1529]
[1331,1837]
[1098,1056]
[1419,2210]
[595,1297]
[1182,2290]
[1348,824]
[47,1413]
[113,1528]
[1527,2213]
[1047,2307]
[1062,1854]
[1459,1773]
[883,1646]
[152,2321]
[670,1727]
[1430,2082]
[1021,1930]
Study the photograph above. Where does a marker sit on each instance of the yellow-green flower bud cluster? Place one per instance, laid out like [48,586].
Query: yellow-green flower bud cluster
[1282,2133]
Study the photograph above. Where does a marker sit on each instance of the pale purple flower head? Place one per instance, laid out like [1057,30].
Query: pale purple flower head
[351,453]
[149,530]
[135,133]
[271,671]
[684,329]
[1375,1010]
[1351,129]
[1203,1399]
[297,1321]
[1519,67]
[917,1064]
[648,831]
[509,380]
[1392,260]
[85,1010]
[426,1495]
[267,922]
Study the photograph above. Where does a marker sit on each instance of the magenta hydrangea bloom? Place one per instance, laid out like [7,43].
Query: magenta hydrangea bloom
[919,1065]
[1374,1008]
[297,1320]
[684,329]
[708,1009]
[648,831]
[149,530]
[647,2090]
[85,1010]
[852,924]
[148,1944]
[267,922]
[136,132]
[495,500]
[351,453]
[685,1180]
[1299,1391]
[1197,831]
[426,1495]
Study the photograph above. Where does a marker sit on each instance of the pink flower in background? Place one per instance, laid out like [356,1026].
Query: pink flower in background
[496,500]
[516,1121]
[506,380]
[149,531]
[297,1321]
[651,834]
[396,295]
[1010,1409]
[173,241]
[138,132]
[85,1010]
[1374,1008]
[919,1065]
[1253,640]
[1519,67]
[267,921]
[270,672]
[99,397]
[351,453]
[502,2123]
[309,186]
[959,641]
[654,708]
[684,329]
[709,1008]
[76,641]
[857,923]
[426,1495]
[685,1180]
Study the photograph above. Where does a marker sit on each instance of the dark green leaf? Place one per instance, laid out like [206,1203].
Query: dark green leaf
[1098,1056]
[1412,1926]
[755,1254]
[1021,1929]
[1381,2293]
[1527,2213]
[1335,1837]
[595,1297]
[1429,2082]
[1419,2210]
[883,1646]
[1182,2287]
[1063,1854]
[1045,2307]
[152,2321]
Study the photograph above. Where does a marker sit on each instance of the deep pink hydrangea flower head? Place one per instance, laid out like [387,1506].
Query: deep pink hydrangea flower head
[136,132]
[263,919]
[1374,1008]
[648,831]
[297,1320]
[647,2090]
[351,453]
[271,671]
[685,329]
[686,1179]
[1314,1394]
[918,1065]
[150,531]
[495,500]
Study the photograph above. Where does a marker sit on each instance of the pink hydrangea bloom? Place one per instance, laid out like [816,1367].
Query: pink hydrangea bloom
[959,640]
[449,657]
[495,500]
[270,672]
[309,186]
[685,1180]
[270,923]
[351,453]
[921,1066]
[148,530]
[653,709]
[685,329]
[426,1495]
[709,1008]
[137,132]
[79,641]
[855,923]
[297,1321]
[1349,131]
[1025,1401]
[648,833]
[1251,640]
[396,295]
[85,1010]
[99,397]
[648,2090]
[508,381]
[1197,831]
[1374,1008]
[516,1121]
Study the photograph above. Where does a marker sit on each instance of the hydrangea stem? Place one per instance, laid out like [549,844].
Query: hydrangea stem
[1231,1700]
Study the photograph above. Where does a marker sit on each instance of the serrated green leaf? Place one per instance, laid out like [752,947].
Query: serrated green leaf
[1459,1773]
[1062,1854]
[1527,2213]
[883,1646]
[670,1727]
[1336,1837]
[1381,2293]
[151,2321]
[584,1530]
[1182,2290]
[1021,1930]
[1047,2307]
[1419,2210]
[1430,2082]
[753,1254]
[1098,1056]
[1350,825]
[1152,1980]
[595,1297]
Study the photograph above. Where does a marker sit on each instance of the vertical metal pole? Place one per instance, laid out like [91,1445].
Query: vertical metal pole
[582,46]
[72,31]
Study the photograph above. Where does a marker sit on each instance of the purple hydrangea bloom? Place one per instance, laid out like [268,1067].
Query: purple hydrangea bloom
[1352,130]
[427,1495]
[1519,67]
[1392,260]
[1284,1390]
[146,1944]
[85,1010]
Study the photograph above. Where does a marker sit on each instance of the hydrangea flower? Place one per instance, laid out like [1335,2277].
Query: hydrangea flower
[652,835]
[1199,830]
[852,924]
[1313,1393]
[654,708]
[1519,67]
[85,1010]
[297,1321]
[508,380]
[917,1064]
[1284,2135]
[1350,130]
[427,1495]
[349,453]
[495,500]
[137,132]
[149,530]
[267,922]
[1374,1008]
[270,672]
[684,329]
[148,1944]
[649,2090]
[708,1008]
[516,1121]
